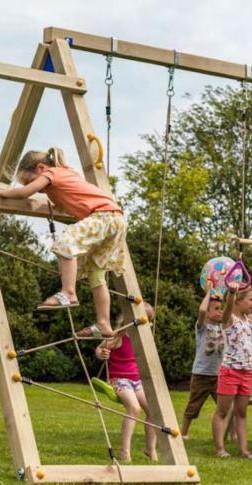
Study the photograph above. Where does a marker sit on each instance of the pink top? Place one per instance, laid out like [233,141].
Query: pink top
[70,192]
[122,362]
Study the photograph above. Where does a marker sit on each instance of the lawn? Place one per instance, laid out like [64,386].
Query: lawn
[69,432]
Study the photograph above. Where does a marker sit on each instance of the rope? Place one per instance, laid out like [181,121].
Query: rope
[244,157]
[170,93]
[131,298]
[51,221]
[25,260]
[58,342]
[108,82]
[98,405]
[97,402]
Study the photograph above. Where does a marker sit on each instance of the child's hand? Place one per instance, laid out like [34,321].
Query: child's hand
[209,285]
[102,353]
[233,287]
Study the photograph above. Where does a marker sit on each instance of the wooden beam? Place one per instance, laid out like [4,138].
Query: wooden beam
[22,120]
[109,474]
[41,78]
[151,55]
[171,449]
[13,400]
[35,206]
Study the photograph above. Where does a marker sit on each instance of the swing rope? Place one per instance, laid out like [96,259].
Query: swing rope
[244,132]
[109,82]
[170,93]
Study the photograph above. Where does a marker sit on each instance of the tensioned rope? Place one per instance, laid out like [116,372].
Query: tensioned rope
[170,93]
[164,429]
[130,298]
[108,82]
[244,154]
[96,404]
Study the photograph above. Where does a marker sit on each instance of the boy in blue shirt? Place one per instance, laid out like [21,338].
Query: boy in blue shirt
[208,358]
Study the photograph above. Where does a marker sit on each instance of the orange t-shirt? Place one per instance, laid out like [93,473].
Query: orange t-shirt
[70,192]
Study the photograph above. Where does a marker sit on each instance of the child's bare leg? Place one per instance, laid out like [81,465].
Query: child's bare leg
[185,426]
[101,297]
[132,407]
[150,433]
[224,404]
[68,274]
[240,412]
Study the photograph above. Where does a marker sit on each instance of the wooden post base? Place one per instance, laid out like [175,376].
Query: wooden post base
[109,474]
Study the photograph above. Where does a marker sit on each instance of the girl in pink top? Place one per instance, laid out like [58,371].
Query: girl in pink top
[125,378]
[98,235]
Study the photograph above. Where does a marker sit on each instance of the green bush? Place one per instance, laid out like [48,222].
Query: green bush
[175,343]
[48,365]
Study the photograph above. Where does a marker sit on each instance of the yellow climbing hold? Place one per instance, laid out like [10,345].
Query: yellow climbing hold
[11,354]
[40,474]
[138,300]
[16,377]
[190,472]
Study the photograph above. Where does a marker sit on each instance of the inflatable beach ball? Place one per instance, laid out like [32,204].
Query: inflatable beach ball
[216,270]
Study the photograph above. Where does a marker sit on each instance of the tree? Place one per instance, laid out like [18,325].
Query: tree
[202,207]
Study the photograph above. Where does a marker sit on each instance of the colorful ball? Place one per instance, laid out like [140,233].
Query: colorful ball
[216,270]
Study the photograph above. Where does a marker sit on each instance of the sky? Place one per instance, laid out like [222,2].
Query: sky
[211,28]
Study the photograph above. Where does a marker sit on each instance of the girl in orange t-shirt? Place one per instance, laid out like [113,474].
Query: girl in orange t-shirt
[98,236]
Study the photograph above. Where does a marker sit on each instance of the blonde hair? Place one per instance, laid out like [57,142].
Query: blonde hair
[54,157]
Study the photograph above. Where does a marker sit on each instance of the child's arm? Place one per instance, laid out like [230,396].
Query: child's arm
[26,191]
[204,306]
[228,310]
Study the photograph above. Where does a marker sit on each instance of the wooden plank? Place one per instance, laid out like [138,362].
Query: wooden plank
[149,54]
[13,401]
[21,121]
[109,474]
[35,206]
[172,449]
[41,78]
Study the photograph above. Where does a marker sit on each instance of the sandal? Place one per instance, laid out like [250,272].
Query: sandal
[62,302]
[223,454]
[92,331]
[247,455]
[152,455]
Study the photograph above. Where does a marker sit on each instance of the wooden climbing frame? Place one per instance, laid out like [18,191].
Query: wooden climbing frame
[175,467]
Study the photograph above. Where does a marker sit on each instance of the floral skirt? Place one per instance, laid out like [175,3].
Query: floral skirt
[97,241]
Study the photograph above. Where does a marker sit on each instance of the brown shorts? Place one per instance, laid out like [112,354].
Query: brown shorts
[201,388]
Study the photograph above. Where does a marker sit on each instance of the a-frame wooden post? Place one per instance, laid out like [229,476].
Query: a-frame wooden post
[22,120]
[172,449]
[13,400]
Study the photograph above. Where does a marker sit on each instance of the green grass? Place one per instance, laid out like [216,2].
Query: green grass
[69,432]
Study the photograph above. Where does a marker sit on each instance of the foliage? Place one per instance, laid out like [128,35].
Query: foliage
[202,206]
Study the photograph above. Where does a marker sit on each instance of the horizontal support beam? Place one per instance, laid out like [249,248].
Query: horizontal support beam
[149,54]
[35,206]
[109,474]
[42,78]
[241,241]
